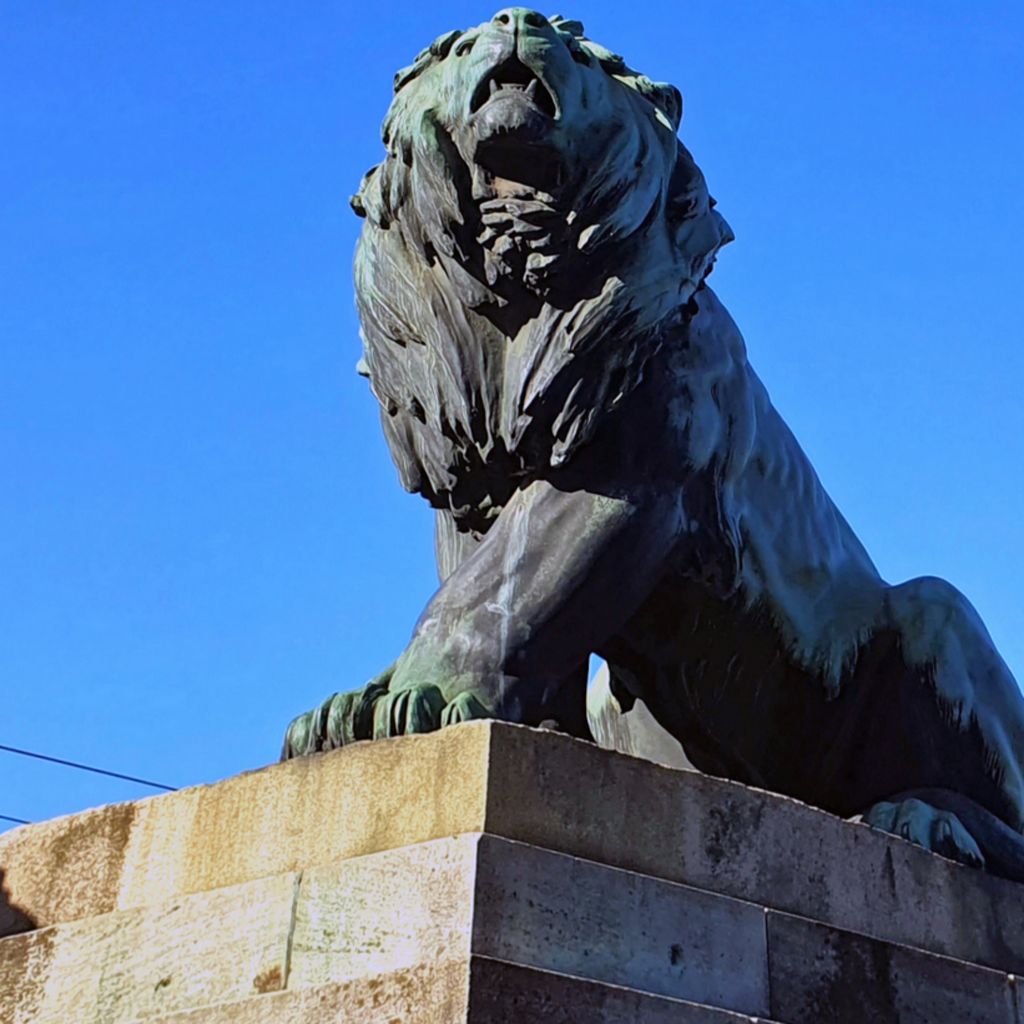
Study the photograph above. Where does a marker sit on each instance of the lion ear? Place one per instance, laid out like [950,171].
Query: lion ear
[699,229]
[670,102]
[441,46]
[666,98]
[358,201]
[570,25]
[437,50]
[368,202]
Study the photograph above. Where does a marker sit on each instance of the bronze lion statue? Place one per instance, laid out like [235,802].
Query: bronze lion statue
[558,380]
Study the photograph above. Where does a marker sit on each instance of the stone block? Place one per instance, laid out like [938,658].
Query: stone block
[63,869]
[477,991]
[368,797]
[575,917]
[830,976]
[475,894]
[311,811]
[491,862]
[521,784]
[222,945]
[571,796]
[504,993]
[406,910]
[385,912]
[426,994]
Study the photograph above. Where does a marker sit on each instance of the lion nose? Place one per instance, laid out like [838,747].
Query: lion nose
[516,19]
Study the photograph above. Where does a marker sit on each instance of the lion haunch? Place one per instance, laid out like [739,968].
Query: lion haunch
[557,379]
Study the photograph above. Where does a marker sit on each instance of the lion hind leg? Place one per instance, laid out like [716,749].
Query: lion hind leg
[919,822]
[943,638]
[955,826]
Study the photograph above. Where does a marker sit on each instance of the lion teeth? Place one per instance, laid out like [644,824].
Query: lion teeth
[495,87]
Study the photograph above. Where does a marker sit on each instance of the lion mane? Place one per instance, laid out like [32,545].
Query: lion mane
[501,327]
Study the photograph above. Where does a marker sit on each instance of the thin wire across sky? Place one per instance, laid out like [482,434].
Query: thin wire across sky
[79,767]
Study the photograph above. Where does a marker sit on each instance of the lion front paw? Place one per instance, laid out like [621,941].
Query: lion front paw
[376,712]
[920,823]
[413,710]
[464,708]
[341,719]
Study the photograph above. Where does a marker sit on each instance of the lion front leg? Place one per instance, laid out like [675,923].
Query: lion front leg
[509,632]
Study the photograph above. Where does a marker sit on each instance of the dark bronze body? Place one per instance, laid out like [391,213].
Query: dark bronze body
[558,380]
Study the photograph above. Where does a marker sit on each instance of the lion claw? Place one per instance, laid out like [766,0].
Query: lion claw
[917,822]
[415,710]
[464,708]
[375,712]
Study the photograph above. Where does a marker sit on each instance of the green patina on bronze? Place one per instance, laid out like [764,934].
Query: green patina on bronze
[558,380]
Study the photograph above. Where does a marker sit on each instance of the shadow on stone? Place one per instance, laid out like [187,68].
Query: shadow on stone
[12,918]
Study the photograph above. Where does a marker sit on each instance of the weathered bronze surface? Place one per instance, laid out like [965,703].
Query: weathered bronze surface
[559,382]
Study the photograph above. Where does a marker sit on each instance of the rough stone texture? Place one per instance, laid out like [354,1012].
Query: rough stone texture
[573,916]
[523,784]
[278,819]
[265,822]
[63,869]
[687,827]
[478,990]
[504,993]
[476,894]
[385,912]
[425,994]
[583,878]
[396,911]
[833,977]
[216,946]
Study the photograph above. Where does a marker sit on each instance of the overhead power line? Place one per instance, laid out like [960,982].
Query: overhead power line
[17,821]
[84,768]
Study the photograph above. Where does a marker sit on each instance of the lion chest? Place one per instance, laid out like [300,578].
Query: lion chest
[520,239]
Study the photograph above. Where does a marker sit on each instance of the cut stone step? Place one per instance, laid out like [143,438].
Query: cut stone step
[528,785]
[433,902]
[222,945]
[477,991]
[827,976]
[426,906]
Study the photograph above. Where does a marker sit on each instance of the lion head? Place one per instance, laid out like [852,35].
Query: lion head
[533,236]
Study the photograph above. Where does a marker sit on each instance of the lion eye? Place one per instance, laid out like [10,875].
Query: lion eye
[464,47]
[577,52]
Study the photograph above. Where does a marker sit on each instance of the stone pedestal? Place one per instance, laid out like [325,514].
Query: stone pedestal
[492,873]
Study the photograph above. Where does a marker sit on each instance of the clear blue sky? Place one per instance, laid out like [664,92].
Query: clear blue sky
[201,533]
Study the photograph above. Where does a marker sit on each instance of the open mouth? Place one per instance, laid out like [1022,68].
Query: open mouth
[503,162]
[513,84]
